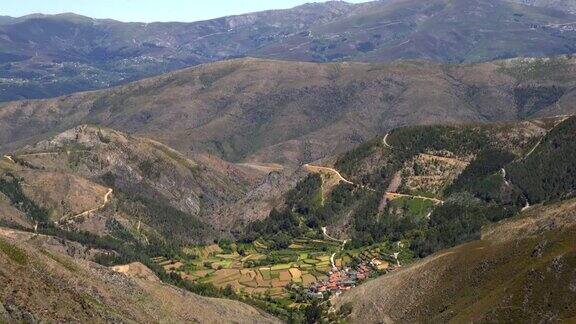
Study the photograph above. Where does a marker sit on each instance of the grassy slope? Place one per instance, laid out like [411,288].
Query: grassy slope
[524,276]
[50,286]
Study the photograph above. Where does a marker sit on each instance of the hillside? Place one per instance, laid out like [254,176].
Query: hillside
[431,186]
[42,282]
[520,271]
[46,56]
[415,192]
[107,183]
[564,5]
[547,171]
[293,113]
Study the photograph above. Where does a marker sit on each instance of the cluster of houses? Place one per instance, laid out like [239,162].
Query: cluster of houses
[340,280]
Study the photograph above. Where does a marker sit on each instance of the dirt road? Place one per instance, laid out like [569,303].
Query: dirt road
[106,198]
[564,117]
[326,235]
[263,167]
[9,158]
[318,169]
[394,195]
[393,187]
[385,140]
[389,195]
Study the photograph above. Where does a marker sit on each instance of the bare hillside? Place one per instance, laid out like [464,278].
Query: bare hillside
[255,110]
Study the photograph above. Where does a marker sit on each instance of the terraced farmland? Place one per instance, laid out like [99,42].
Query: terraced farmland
[254,268]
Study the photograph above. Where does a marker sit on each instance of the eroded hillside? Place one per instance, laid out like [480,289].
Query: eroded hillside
[103,181]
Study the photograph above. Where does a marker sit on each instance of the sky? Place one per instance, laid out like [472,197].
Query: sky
[147,10]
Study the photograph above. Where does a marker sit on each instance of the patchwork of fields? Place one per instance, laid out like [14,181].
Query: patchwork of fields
[257,270]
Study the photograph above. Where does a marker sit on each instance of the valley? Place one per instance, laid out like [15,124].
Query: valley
[394,161]
[337,230]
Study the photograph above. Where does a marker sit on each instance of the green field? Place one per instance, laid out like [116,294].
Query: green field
[256,270]
[415,206]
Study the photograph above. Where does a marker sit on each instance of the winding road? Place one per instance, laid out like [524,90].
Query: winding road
[9,158]
[564,117]
[391,195]
[394,195]
[503,170]
[326,235]
[385,140]
[315,168]
[106,198]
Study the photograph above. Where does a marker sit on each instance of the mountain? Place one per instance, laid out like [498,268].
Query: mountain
[46,56]
[107,183]
[254,110]
[563,5]
[520,271]
[44,281]
[444,31]
[469,203]
[434,186]
[488,210]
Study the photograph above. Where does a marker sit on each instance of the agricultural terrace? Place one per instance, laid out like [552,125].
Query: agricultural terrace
[256,270]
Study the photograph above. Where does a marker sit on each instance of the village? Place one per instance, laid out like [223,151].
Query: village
[311,268]
[341,279]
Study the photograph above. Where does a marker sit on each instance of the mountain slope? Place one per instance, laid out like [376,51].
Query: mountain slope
[432,187]
[287,112]
[564,5]
[96,179]
[521,270]
[439,30]
[42,283]
[547,172]
[46,56]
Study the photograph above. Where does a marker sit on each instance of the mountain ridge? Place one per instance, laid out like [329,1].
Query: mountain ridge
[78,53]
[221,108]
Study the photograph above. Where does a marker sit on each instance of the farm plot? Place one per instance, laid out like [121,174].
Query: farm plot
[256,269]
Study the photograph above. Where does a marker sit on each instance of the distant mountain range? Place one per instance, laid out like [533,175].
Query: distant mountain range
[564,5]
[46,56]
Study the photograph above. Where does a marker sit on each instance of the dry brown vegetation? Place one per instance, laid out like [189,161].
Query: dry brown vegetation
[431,174]
[289,112]
[72,176]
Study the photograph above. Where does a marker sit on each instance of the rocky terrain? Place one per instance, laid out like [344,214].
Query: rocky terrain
[95,194]
[564,5]
[252,110]
[46,56]
[418,156]
[88,177]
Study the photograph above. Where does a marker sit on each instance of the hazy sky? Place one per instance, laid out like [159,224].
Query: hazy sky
[146,10]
